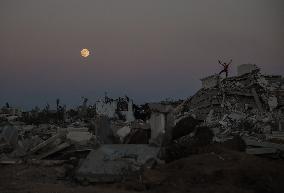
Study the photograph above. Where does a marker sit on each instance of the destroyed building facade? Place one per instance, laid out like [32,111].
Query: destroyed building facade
[116,108]
[251,95]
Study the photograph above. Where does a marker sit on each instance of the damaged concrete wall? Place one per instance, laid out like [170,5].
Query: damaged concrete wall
[103,130]
[157,124]
[9,134]
[161,122]
[106,108]
[246,68]
[210,81]
[113,108]
[129,115]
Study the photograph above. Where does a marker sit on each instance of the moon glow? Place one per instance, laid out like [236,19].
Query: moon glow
[85,52]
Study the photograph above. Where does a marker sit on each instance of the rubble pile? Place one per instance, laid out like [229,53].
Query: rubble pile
[115,162]
[249,105]
[115,139]
[73,136]
[39,142]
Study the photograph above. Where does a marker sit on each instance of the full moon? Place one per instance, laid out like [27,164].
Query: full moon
[85,52]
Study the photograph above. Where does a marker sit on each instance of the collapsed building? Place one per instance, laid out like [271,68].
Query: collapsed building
[249,105]
[121,108]
[251,92]
[116,143]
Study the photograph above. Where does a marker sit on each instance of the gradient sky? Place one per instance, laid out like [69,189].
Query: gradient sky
[148,49]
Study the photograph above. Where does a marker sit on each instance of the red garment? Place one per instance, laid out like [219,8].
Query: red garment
[226,66]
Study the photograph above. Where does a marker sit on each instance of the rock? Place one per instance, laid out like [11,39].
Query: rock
[81,137]
[111,163]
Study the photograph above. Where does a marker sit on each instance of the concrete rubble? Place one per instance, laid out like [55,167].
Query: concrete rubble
[115,138]
[250,104]
[110,163]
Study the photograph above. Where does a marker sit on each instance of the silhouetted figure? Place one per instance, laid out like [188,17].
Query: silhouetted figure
[226,67]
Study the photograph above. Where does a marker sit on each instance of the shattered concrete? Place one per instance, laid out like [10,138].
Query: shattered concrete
[9,134]
[107,143]
[123,132]
[249,104]
[104,131]
[81,137]
[112,163]
[161,122]
[121,108]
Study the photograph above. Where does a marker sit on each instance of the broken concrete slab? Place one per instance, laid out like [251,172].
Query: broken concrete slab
[236,116]
[261,151]
[123,132]
[158,126]
[12,118]
[10,162]
[52,151]
[210,81]
[82,129]
[257,100]
[29,143]
[10,134]
[255,143]
[45,143]
[81,137]
[272,102]
[103,129]
[275,135]
[45,162]
[246,68]
[110,163]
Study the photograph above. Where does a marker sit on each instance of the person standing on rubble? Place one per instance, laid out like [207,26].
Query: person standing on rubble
[226,67]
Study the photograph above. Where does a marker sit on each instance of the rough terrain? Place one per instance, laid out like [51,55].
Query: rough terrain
[214,169]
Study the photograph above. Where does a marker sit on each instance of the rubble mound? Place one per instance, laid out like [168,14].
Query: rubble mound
[236,143]
[184,127]
[188,144]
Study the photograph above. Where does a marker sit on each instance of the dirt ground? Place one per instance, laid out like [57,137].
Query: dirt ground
[214,170]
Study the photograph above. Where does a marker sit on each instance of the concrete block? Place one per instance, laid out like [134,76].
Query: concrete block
[114,162]
[45,143]
[255,143]
[157,124]
[210,81]
[123,132]
[52,151]
[104,131]
[246,68]
[10,134]
[261,151]
[79,136]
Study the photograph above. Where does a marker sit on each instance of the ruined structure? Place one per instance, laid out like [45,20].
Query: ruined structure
[161,123]
[121,108]
[251,96]
[105,143]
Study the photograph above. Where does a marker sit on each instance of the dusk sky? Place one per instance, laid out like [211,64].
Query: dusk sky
[147,49]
